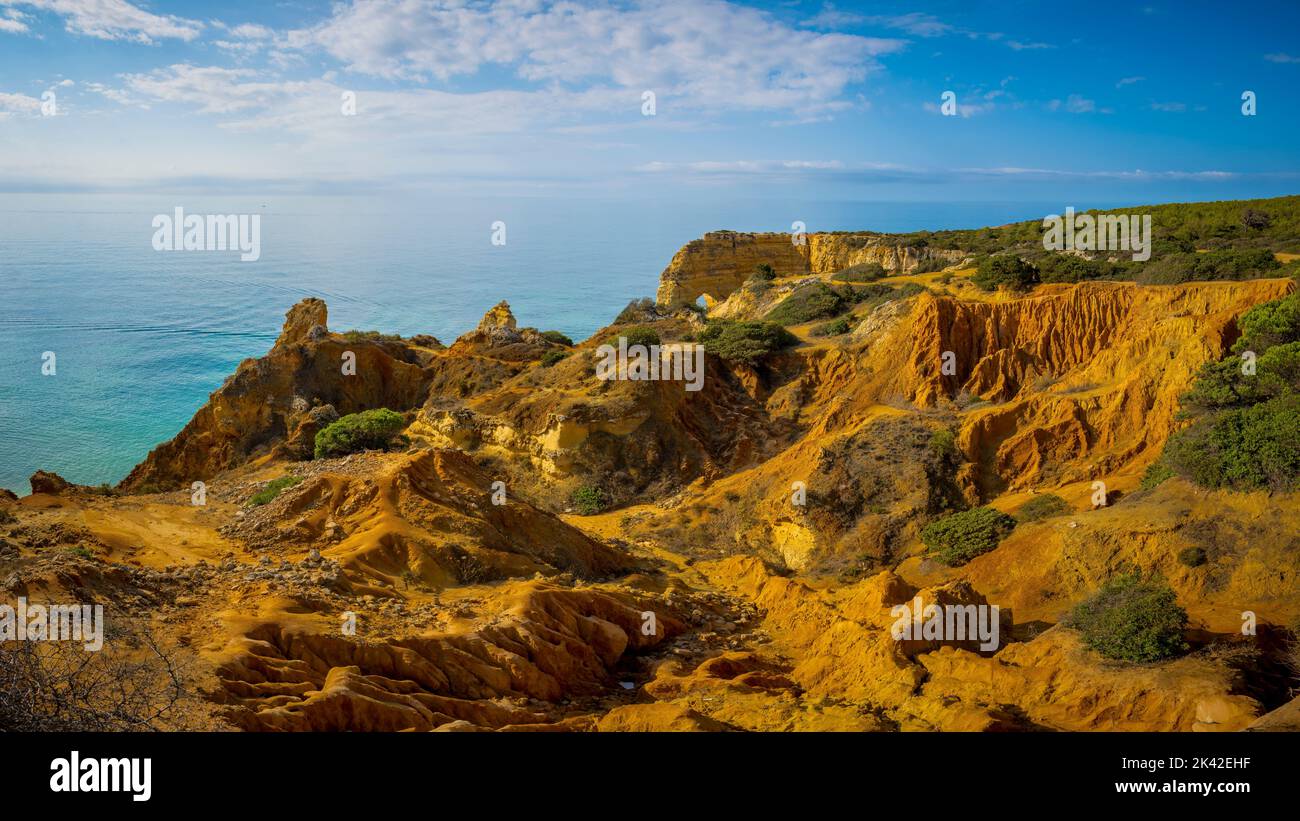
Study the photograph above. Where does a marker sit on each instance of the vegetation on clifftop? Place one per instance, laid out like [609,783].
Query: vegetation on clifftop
[955,540]
[1246,408]
[744,342]
[1132,619]
[369,430]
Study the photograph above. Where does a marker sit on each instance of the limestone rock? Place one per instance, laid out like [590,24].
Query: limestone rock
[721,261]
[498,317]
[50,483]
[302,320]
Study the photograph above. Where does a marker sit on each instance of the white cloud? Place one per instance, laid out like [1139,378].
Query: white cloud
[915,23]
[251,31]
[114,20]
[117,95]
[889,172]
[243,40]
[831,18]
[1282,58]
[964,110]
[1017,45]
[1074,104]
[1128,81]
[742,166]
[248,101]
[11,104]
[704,55]
[1169,107]
[1136,175]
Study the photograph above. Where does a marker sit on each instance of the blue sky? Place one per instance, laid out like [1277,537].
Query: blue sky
[802,99]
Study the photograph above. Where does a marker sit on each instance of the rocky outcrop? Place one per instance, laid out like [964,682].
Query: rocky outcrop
[721,261]
[547,644]
[627,436]
[426,518]
[1081,371]
[282,395]
[50,483]
[843,646]
[498,317]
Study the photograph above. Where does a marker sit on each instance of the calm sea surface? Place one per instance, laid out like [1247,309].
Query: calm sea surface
[142,337]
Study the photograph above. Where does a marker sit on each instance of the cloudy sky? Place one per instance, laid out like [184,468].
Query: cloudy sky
[524,96]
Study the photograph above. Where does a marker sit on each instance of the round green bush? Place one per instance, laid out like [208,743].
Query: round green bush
[368,430]
[553,357]
[835,327]
[1192,556]
[1005,271]
[1132,619]
[1043,506]
[589,500]
[273,489]
[558,338]
[956,539]
[640,335]
[815,300]
[744,342]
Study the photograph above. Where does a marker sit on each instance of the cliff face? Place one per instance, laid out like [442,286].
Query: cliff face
[278,398]
[1081,382]
[274,405]
[721,261]
[481,602]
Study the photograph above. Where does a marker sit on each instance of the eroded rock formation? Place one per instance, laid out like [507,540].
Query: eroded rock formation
[721,261]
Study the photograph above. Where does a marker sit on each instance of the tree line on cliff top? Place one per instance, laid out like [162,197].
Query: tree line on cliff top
[1234,239]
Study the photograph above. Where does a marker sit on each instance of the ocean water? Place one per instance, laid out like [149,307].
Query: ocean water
[141,337]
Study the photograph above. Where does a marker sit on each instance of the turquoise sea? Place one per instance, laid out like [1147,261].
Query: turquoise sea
[142,337]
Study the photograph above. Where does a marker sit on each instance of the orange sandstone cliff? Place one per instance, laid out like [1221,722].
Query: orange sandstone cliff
[450,583]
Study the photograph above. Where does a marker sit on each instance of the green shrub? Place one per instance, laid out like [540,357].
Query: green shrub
[1132,619]
[552,357]
[368,430]
[1156,473]
[273,489]
[862,272]
[589,500]
[816,300]
[1245,449]
[640,335]
[1192,556]
[764,272]
[1272,323]
[1228,263]
[370,336]
[643,309]
[1243,435]
[955,540]
[833,328]
[1255,220]
[558,338]
[744,342]
[1043,506]
[1071,268]
[943,443]
[1005,271]
[6,517]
